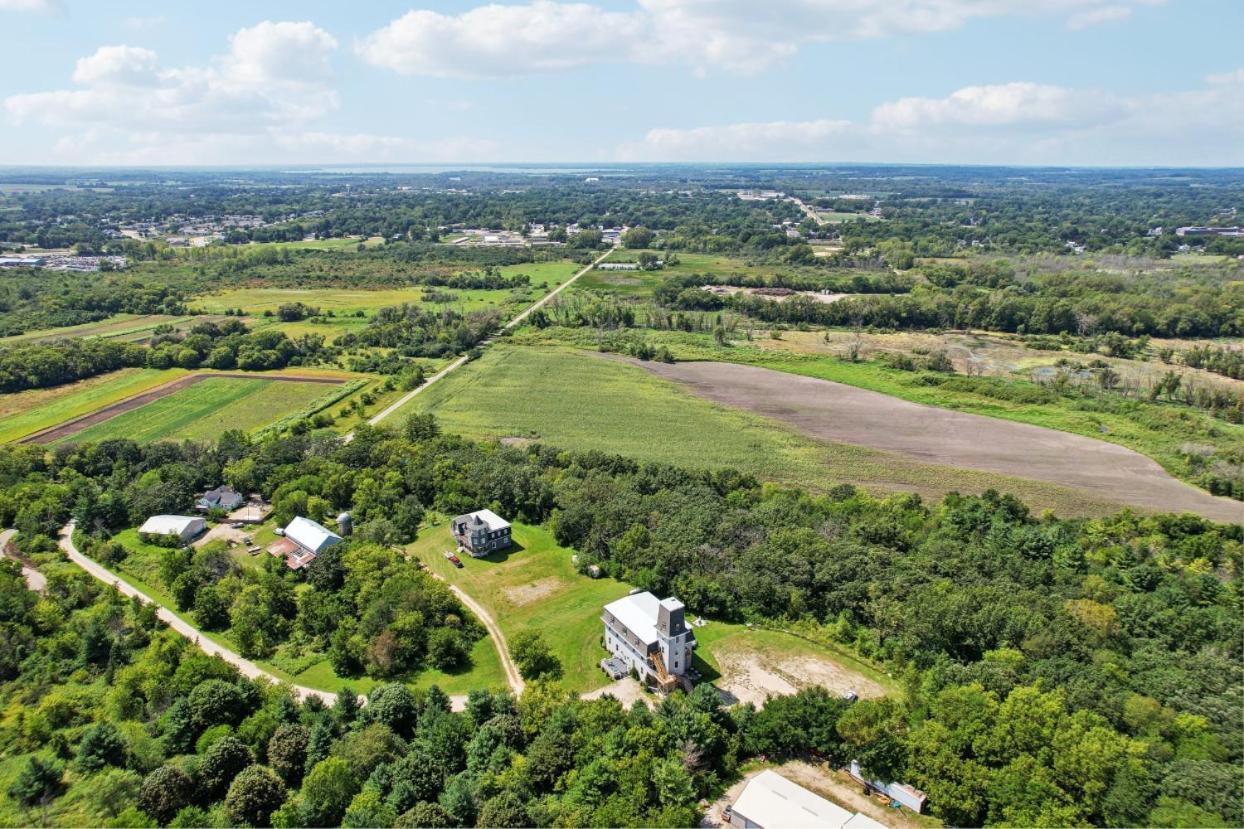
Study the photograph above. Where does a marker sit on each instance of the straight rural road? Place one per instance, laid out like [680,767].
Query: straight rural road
[35,580]
[458,363]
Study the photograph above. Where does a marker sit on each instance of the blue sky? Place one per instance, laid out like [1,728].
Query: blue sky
[1141,82]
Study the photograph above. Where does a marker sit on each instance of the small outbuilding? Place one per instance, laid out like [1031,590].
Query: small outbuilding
[481,532]
[182,527]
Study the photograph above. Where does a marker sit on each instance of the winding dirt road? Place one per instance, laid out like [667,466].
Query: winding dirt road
[512,674]
[35,580]
[845,414]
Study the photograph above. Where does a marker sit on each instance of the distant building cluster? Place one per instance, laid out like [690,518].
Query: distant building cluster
[64,262]
[1209,231]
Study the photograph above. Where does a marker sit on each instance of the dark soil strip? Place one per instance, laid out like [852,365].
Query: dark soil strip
[72,427]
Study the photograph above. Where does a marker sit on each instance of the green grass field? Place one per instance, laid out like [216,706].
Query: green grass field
[579,400]
[26,412]
[204,410]
[533,587]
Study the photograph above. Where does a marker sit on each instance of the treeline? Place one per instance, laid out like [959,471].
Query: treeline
[1014,309]
[32,300]
[1229,362]
[224,345]
[418,332]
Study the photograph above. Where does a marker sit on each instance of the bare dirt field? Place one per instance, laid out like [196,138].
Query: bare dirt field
[627,691]
[832,411]
[525,594]
[76,425]
[751,675]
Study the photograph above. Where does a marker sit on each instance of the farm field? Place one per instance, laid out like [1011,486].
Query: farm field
[205,409]
[581,400]
[24,413]
[1156,430]
[255,301]
[535,587]
[123,326]
[840,412]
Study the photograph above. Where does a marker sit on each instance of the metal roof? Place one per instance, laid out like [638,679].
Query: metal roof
[773,802]
[170,524]
[311,536]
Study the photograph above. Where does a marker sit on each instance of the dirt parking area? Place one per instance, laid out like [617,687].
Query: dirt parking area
[751,675]
[221,532]
[627,691]
[836,412]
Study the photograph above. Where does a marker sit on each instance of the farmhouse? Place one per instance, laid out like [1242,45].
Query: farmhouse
[183,527]
[770,801]
[222,497]
[304,540]
[651,637]
[481,532]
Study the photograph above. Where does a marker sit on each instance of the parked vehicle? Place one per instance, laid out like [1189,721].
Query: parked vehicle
[457,562]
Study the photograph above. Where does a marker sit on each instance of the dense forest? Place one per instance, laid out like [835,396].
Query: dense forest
[1056,671]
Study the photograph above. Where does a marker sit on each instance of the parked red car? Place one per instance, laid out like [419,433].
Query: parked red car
[457,562]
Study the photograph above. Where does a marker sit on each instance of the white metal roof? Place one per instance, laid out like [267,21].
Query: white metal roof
[495,522]
[638,613]
[863,821]
[308,534]
[169,524]
[773,802]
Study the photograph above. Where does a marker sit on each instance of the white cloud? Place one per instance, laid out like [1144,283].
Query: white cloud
[1017,122]
[273,73]
[256,103]
[1104,14]
[495,40]
[29,5]
[1001,105]
[498,40]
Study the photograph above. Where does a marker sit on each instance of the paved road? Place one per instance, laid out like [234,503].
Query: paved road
[35,580]
[458,363]
[512,674]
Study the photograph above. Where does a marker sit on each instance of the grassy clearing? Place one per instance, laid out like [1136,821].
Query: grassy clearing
[832,217]
[582,401]
[534,586]
[31,411]
[204,410]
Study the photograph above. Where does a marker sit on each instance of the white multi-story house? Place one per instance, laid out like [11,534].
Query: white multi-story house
[650,636]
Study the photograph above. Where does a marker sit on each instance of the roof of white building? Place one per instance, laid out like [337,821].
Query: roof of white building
[772,801]
[863,821]
[495,522]
[169,524]
[638,613]
[312,536]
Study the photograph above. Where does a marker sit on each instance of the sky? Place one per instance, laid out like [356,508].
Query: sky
[232,83]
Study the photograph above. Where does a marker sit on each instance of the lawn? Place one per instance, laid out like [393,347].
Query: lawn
[26,412]
[534,586]
[204,410]
[119,325]
[580,400]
